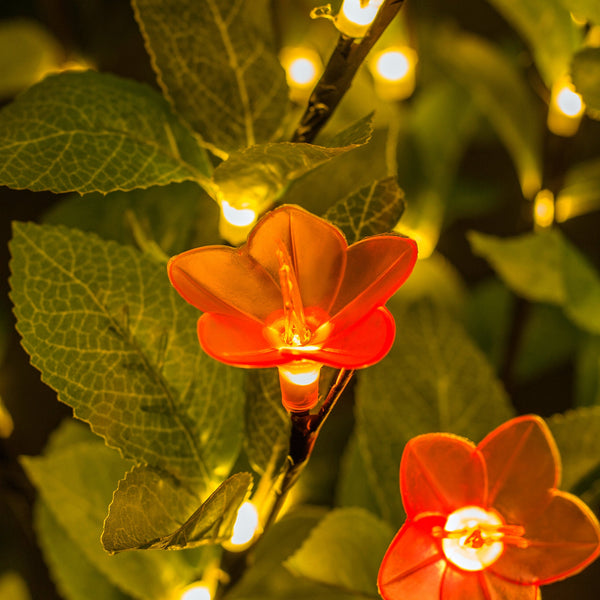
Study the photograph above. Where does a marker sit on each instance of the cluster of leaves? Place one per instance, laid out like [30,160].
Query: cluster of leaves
[179,439]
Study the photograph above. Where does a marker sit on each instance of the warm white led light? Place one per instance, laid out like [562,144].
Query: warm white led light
[246,524]
[197,591]
[566,108]
[302,71]
[543,208]
[569,102]
[356,17]
[393,65]
[240,217]
[301,377]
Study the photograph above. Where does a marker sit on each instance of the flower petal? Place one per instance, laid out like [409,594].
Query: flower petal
[413,565]
[361,345]
[224,280]
[237,341]
[563,539]
[440,473]
[376,267]
[482,585]
[522,464]
[317,249]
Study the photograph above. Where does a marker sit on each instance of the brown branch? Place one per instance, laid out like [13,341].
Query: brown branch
[337,77]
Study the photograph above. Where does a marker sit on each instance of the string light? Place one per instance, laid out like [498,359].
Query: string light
[246,526]
[393,71]
[356,16]
[196,591]
[236,223]
[303,66]
[543,209]
[566,109]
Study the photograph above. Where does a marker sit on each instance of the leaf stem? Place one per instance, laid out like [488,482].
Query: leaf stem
[348,55]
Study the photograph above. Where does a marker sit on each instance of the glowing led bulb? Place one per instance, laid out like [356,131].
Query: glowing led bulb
[356,17]
[303,67]
[392,65]
[394,73]
[246,525]
[302,71]
[543,208]
[566,109]
[196,591]
[236,223]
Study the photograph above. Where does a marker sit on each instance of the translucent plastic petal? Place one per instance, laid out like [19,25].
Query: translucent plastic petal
[523,464]
[316,247]
[440,473]
[237,341]
[361,345]
[376,267]
[224,280]
[413,565]
[501,589]
[463,585]
[563,539]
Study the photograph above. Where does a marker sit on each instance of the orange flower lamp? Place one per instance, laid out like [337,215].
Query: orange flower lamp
[486,522]
[296,297]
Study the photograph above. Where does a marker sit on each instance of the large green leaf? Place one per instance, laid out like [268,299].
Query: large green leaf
[72,572]
[577,434]
[545,267]
[586,76]
[103,325]
[176,217]
[344,551]
[373,209]
[499,91]
[146,507]
[434,379]
[547,27]
[76,483]
[215,62]
[87,132]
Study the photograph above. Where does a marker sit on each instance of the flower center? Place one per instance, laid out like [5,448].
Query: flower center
[474,538]
[295,332]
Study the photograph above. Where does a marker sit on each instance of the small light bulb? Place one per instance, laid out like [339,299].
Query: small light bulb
[302,71]
[246,525]
[569,102]
[196,591]
[543,208]
[303,66]
[356,16]
[394,73]
[565,110]
[392,65]
[240,217]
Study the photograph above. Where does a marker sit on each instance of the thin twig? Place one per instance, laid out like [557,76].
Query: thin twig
[337,77]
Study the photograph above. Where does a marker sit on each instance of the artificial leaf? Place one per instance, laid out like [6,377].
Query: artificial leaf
[545,267]
[146,506]
[577,434]
[76,483]
[267,424]
[88,131]
[258,175]
[73,574]
[344,551]
[176,217]
[371,210]
[580,193]
[547,27]
[587,367]
[107,331]
[27,52]
[586,77]
[434,379]
[500,93]
[216,63]
[584,9]
[356,134]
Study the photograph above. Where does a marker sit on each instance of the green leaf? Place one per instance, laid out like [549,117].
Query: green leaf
[548,29]
[545,267]
[587,370]
[267,423]
[257,176]
[73,574]
[586,77]
[344,551]
[369,211]
[27,52]
[87,132]
[577,434]
[434,379]
[581,191]
[107,331]
[76,484]
[216,63]
[584,9]
[500,93]
[176,217]
[145,510]
[13,587]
